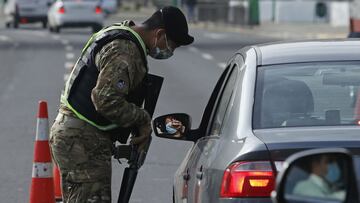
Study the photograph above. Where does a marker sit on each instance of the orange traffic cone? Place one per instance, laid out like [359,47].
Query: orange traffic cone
[57,184]
[42,184]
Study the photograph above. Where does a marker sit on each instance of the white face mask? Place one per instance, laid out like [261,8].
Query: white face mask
[157,53]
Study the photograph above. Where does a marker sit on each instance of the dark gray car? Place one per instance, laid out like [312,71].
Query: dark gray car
[271,101]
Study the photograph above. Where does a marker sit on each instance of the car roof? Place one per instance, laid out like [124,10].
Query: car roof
[307,51]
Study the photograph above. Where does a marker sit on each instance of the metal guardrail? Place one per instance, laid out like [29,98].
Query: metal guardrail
[213,11]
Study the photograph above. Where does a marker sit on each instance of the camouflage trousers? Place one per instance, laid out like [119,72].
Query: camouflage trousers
[83,155]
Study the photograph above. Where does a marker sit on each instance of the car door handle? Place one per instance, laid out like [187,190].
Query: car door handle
[186,177]
[199,175]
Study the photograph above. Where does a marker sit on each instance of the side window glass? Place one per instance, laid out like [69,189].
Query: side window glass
[223,102]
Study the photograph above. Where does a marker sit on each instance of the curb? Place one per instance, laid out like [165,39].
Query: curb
[213,27]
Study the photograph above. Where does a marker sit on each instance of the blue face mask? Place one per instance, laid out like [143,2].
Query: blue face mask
[333,173]
[170,129]
[157,53]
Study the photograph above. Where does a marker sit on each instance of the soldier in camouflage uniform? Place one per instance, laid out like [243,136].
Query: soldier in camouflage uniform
[80,146]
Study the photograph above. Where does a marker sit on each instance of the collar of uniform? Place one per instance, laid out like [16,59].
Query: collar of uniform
[125,25]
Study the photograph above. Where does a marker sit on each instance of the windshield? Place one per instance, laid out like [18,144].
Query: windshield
[307,94]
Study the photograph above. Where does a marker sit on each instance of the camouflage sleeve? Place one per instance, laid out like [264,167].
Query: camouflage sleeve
[119,74]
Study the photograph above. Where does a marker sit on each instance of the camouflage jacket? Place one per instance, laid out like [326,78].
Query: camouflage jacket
[121,71]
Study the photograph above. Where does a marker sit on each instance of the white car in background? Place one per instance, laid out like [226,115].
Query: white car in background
[26,11]
[76,13]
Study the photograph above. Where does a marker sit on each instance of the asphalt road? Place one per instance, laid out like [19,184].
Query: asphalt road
[33,65]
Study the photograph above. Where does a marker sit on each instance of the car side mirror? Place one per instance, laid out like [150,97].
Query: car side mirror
[322,175]
[172,126]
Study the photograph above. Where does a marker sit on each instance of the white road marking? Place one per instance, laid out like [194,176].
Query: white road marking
[207,56]
[194,49]
[56,37]
[69,48]
[70,55]
[69,65]
[216,36]
[4,38]
[65,42]
[222,65]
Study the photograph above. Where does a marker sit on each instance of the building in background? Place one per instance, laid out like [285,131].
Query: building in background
[355,19]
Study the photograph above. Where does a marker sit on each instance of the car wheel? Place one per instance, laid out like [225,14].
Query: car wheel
[16,23]
[56,29]
[44,24]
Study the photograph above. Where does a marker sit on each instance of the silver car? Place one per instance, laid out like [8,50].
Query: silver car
[26,11]
[271,101]
[75,13]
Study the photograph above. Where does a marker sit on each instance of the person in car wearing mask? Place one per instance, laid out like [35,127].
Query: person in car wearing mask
[174,127]
[100,98]
[323,173]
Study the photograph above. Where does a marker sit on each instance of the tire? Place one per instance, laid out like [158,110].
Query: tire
[44,24]
[16,23]
[56,29]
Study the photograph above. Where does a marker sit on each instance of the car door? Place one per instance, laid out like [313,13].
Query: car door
[210,144]
[183,176]
[202,151]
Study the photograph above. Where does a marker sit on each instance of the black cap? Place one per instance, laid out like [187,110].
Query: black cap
[176,26]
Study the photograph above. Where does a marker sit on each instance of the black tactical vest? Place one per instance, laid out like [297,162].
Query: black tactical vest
[84,77]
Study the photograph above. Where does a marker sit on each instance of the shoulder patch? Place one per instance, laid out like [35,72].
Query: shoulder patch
[121,84]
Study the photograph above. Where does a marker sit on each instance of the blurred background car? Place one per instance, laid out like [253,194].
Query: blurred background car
[76,13]
[271,101]
[109,6]
[26,11]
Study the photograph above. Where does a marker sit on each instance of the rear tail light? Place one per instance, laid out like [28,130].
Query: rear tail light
[98,10]
[23,20]
[248,179]
[61,10]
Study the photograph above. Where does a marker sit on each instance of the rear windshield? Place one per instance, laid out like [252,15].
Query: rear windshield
[307,94]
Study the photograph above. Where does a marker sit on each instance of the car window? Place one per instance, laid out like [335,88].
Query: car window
[223,103]
[307,94]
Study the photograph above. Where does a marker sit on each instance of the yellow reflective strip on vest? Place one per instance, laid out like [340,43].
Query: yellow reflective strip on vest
[66,91]
[130,30]
[105,128]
